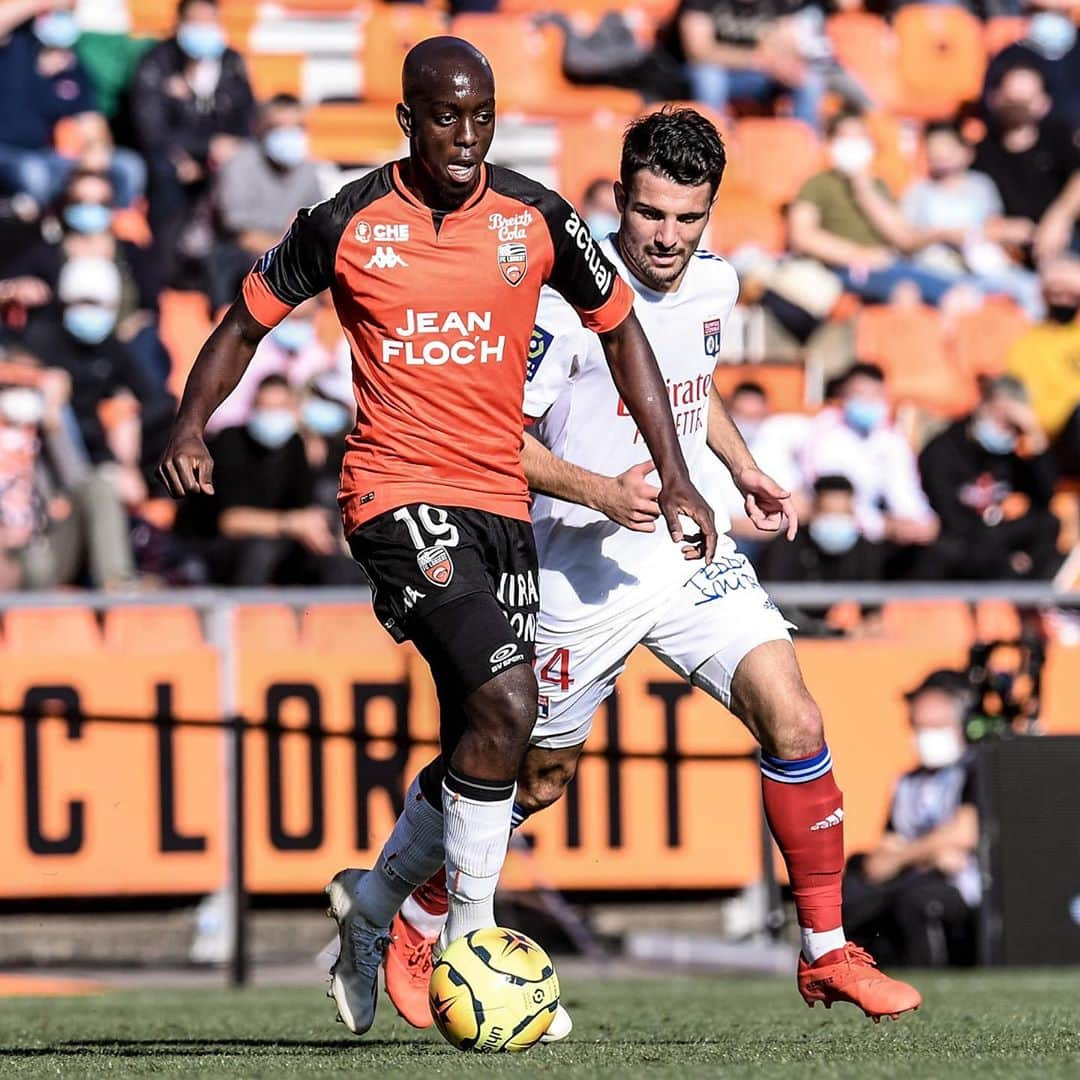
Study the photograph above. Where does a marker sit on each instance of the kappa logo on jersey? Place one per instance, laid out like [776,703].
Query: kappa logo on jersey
[511,228]
[513,262]
[711,328]
[436,565]
[539,343]
[385,258]
[381,232]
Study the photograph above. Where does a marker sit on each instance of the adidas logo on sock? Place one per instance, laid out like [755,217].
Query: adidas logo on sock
[834,818]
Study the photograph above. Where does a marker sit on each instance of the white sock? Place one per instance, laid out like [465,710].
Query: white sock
[477,831]
[816,943]
[412,854]
[428,923]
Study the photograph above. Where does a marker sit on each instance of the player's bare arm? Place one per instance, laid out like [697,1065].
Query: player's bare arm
[186,466]
[627,499]
[637,378]
[768,505]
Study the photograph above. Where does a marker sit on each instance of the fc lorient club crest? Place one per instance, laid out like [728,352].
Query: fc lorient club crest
[436,565]
[513,262]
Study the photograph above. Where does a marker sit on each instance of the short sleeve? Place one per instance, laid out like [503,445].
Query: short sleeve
[813,191]
[558,341]
[581,273]
[989,195]
[297,268]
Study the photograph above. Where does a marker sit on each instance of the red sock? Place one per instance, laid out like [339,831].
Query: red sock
[805,811]
[431,896]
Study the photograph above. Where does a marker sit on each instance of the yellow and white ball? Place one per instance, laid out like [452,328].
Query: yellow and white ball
[493,990]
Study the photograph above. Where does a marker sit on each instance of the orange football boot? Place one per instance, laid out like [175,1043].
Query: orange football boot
[409,961]
[850,974]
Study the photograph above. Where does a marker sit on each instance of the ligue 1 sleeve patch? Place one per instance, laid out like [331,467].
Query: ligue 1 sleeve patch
[539,344]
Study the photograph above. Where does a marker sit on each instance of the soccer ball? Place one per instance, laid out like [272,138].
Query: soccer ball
[493,990]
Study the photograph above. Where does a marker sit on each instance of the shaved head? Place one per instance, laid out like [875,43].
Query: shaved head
[439,64]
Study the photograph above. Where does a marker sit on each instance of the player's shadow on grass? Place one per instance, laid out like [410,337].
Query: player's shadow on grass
[148,1048]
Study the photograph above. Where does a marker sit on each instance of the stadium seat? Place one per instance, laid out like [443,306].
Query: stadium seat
[276,73]
[51,630]
[389,33]
[910,344]
[337,627]
[942,59]
[238,18]
[772,158]
[353,133]
[265,628]
[739,219]
[151,18]
[184,326]
[588,150]
[866,47]
[929,620]
[981,340]
[785,384]
[996,620]
[152,629]
[1002,31]
[894,162]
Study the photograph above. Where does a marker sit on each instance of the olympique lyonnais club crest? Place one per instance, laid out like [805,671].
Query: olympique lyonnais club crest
[435,564]
[513,262]
[712,336]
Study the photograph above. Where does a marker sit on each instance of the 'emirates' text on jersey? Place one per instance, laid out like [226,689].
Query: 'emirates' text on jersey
[438,319]
[588,565]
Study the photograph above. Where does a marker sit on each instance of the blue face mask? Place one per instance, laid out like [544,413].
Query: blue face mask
[286,146]
[993,438]
[292,335]
[272,428]
[57,30]
[325,417]
[1051,33]
[87,217]
[201,41]
[602,224]
[835,534]
[864,415]
[89,323]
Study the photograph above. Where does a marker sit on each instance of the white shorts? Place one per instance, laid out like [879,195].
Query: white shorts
[702,631]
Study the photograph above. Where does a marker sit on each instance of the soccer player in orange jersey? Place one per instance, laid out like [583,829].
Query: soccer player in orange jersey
[435,265]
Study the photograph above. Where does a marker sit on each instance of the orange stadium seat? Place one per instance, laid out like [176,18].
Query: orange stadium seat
[996,620]
[52,630]
[154,629]
[390,32]
[894,163]
[353,133]
[942,59]
[265,628]
[337,627]
[151,18]
[929,620]
[866,46]
[588,150]
[276,73]
[238,17]
[772,157]
[981,339]
[785,384]
[740,218]
[315,8]
[527,61]
[184,326]
[1002,31]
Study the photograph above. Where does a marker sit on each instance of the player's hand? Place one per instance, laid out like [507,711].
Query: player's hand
[679,496]
[630,501]
[310,527]
[187,466]
[768,505]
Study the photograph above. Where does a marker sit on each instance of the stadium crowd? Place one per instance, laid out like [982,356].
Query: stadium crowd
[917,264]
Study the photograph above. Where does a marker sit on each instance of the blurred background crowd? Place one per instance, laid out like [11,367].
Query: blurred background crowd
[902,207]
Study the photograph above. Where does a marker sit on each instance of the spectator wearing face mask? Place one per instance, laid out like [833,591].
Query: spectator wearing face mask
[292,349]
[965,207]
[262,525]
[42,82]
[258,192]
[1051,45]
[846,218]
[190,104]
[856,438]
[123,416]
[1033,159]
[993,500]
[59,517]
[1046,359]
[916,894]
[598,207]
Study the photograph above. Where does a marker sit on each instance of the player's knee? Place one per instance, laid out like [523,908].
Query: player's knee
[503,711]
[800,732]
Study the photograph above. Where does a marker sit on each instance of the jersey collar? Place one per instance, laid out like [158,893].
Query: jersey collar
[399,186]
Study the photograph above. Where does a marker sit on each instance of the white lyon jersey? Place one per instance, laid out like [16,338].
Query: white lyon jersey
[590,568]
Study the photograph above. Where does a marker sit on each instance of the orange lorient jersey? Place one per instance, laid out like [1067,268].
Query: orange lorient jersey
[438,309]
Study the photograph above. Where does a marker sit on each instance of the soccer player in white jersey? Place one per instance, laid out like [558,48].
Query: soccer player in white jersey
[609,580]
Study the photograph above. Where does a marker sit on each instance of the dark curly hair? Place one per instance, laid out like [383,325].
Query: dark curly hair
[678,143]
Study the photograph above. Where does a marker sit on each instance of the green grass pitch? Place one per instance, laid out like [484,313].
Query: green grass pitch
[980,1025]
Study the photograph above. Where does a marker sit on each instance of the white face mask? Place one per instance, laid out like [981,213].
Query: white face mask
[938,747]
[851,154]
[22,405]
